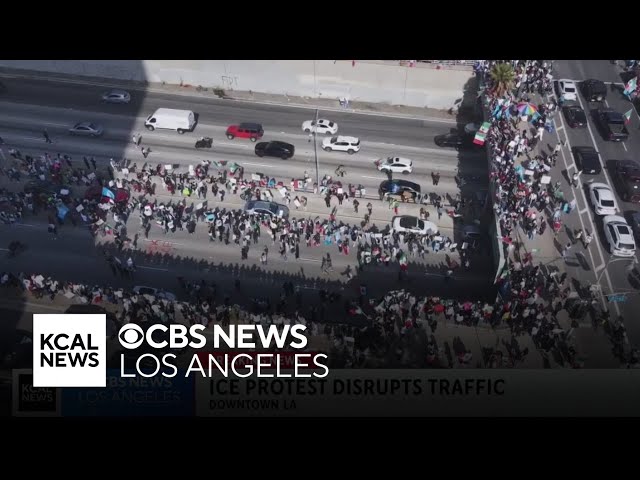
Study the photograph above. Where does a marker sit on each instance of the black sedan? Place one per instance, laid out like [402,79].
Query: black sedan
[398,187]
[275,149]
[39,187]
[455,140]
[587,160]
[576,118]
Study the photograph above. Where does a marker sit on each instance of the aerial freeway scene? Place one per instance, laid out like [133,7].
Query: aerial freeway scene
[445,214]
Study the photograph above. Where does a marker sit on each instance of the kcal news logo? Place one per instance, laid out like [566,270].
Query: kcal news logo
[69,350]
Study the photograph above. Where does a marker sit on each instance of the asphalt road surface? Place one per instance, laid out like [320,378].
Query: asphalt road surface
[29,107]
[612,272]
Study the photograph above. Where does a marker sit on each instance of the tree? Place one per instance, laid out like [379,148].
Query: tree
[503,76]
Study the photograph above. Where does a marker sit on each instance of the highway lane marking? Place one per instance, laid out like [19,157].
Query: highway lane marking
[625,147]
[315,260]
[606,103]
[25,225]
[259,165]
[561,127]
[153,268]
[375,178]
[4,249]
[583,211]
[187,93]
[164,241]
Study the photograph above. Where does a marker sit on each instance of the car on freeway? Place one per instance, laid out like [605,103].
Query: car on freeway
[341,143]
[619,235]
[568,90]
[154,292]
[602,199]
[272,209]
[611,124]
[39,187]
[86,129]
[626,176]
[394,165]
[587,160]
[398,188]
[575,116]
[116,96]
[252,131]
[323,126]
[275,148]
[594,90]
[411,224]
[455,140]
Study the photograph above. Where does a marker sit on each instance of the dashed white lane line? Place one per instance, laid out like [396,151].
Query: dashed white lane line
[153,268]
[561,127]
[4,249]
[583,211]
[259,165]
[625,147]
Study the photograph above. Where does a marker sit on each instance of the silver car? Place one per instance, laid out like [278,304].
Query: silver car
[116,96]
[86,129]
[272,209]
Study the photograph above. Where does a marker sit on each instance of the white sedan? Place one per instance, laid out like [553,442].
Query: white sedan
[568,89]
[154,292]
[395,165]
[619,235]
[602,199]
[407,223]
[323,126]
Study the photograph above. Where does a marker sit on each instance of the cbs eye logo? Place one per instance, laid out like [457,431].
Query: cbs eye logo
[131,336]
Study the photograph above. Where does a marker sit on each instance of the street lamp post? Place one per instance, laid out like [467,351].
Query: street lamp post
[314,132]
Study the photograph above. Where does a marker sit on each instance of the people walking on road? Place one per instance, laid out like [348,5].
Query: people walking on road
[86,162]
[369,208]
[586,240]
[93,162]
[145,151]
[577,235]
[356,204]
[341,171]
[566,249]
[435,177]
[47,139]
[575,178]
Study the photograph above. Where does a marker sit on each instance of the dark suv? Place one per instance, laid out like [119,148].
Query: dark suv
[626,175]
[252,131]
[594,90]
[275,149]
[611,125]
[398,187]
[587,160]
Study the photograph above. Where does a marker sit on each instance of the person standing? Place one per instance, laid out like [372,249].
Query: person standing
[93,162]
[47,139]
[435,177]
[369,208]
[575,178]
[356,204]
[86,162]
[586,240]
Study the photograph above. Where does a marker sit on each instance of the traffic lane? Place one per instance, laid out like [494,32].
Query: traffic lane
[57,121]
[585,69]
[363,173]
[86,100]
[65,261]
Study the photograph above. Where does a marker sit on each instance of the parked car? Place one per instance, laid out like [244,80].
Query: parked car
[395,165]
[86,129]
[568,89]
[252,131]
[594,90]
[587,160]
[38,187]
[575,116]
[116,96]
[398,187]
[154,292]
[272,209]
[611,124]
[275,149]
[408,223]
[602,199]
[619,235]
[626,176]
[341,143]
[323,126]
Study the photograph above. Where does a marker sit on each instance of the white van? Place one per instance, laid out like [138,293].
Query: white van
[168,118]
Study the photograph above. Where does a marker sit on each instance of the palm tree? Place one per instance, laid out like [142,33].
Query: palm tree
[503,76]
